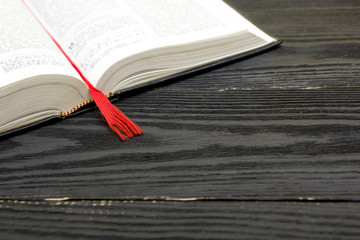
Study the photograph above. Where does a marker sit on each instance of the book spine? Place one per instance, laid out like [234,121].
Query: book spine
[64,114]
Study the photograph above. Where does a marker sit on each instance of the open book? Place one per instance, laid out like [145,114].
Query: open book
[52,52]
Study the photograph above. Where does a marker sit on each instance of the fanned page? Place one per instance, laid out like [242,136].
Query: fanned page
[35,77]
[118,44]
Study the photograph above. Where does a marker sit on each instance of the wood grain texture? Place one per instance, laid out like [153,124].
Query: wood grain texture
[281,128]
[178,220]
[222,144]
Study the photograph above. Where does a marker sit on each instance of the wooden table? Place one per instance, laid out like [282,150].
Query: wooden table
[264,148]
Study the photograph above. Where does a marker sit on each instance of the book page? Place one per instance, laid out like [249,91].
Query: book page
[89,30]
[25,49]
[98,33]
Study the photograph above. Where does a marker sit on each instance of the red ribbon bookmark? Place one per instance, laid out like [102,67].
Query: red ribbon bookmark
[115,118]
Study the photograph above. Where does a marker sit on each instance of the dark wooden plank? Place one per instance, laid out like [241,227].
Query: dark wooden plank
[178,220]
[265,5]
[223,144]
[303,19]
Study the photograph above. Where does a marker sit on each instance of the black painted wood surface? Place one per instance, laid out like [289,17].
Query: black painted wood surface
[264,147]
[178,220]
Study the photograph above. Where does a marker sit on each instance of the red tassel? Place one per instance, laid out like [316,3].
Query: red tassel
[115,118]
